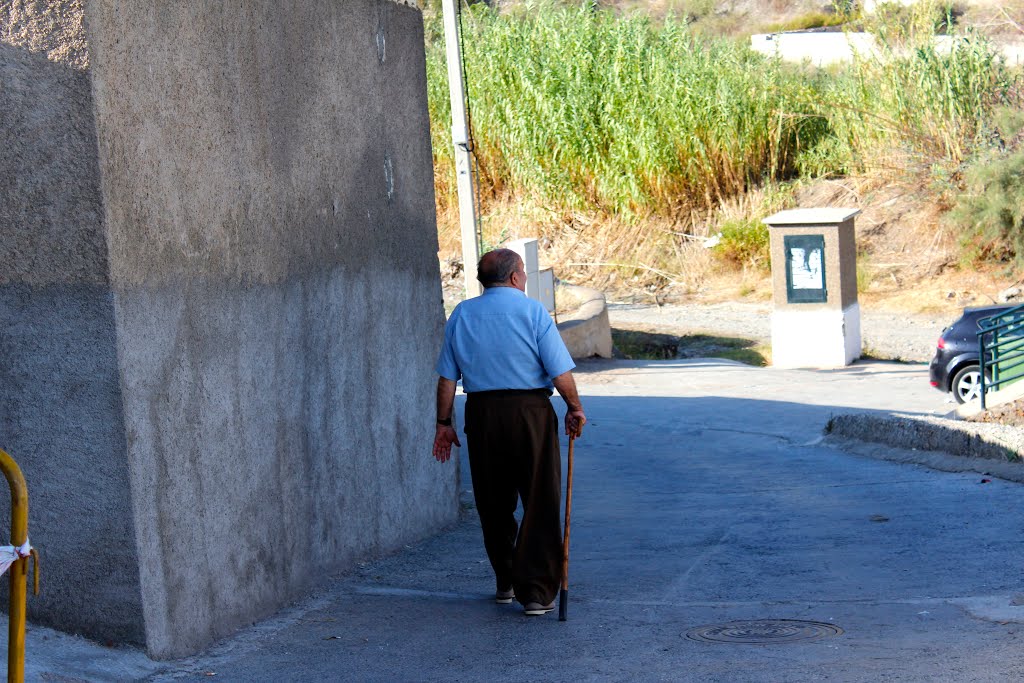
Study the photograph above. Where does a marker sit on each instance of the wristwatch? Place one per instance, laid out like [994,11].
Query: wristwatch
[447,422]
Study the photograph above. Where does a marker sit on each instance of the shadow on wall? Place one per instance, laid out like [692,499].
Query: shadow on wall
[61,417]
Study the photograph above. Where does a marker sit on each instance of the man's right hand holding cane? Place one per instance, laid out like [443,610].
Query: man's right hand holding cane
[574,416]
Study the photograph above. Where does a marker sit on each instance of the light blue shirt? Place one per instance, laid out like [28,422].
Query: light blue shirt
[502,340]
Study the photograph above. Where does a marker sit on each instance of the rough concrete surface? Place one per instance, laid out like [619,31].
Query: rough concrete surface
[941,460]
[222,307]
[703,494]
[52,28]
[61,417]
[970,439]
[587,332]
[52,208]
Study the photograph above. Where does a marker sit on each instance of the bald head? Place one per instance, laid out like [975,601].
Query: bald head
[496,268]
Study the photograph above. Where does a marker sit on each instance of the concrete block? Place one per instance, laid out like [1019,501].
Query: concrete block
[587,331]
[528,250]
[816,322]
[546,288]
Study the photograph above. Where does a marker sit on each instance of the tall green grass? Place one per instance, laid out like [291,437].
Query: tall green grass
[578,109]
[910,108]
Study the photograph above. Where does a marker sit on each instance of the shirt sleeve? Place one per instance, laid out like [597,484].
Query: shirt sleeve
[553,355]
[447,367]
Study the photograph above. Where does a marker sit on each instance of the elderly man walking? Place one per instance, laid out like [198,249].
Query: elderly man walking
[509,355]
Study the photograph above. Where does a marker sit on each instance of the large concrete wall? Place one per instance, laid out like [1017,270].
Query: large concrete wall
[268,306]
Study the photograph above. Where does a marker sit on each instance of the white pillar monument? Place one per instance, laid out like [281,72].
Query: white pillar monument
[816,321]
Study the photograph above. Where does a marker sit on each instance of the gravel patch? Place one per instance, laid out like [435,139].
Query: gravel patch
[886,335]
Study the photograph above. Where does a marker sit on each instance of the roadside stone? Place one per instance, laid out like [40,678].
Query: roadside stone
[1008,295]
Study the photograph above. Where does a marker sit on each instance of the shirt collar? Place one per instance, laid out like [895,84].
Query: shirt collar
[492,291]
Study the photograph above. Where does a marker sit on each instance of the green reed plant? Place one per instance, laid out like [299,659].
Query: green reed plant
[910,108]
[577,107]
[583,111]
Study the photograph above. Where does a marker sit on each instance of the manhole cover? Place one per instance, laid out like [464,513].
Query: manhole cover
[763,631]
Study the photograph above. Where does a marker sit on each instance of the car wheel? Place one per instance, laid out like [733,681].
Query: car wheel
[966,384]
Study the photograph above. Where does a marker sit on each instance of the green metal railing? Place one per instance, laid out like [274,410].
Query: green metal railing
[1000,350]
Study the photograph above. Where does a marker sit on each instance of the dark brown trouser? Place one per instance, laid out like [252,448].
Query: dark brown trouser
[512,438]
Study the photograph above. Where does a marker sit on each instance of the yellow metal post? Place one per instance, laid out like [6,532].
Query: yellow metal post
[19,570]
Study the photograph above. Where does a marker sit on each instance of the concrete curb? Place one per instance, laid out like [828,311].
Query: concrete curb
[587,331]
[939,443]
[992,441]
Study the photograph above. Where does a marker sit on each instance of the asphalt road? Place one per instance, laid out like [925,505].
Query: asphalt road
[703,495]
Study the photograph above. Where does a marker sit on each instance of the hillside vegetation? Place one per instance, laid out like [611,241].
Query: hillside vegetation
[623,139]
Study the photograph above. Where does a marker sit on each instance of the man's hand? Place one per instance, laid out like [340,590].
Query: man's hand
[574,421]
[444,437]
[574,417]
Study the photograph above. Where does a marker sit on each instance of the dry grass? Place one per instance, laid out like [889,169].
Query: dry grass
[1007,414]
[908,259]
[893,124]
[595,250]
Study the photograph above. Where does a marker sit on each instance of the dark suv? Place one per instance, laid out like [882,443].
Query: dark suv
[955,366]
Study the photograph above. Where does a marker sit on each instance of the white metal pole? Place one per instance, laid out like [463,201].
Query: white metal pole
[460,139]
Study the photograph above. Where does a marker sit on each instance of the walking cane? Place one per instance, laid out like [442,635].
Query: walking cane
[563,598]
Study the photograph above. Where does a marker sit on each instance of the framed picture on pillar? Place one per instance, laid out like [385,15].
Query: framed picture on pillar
[805,269]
